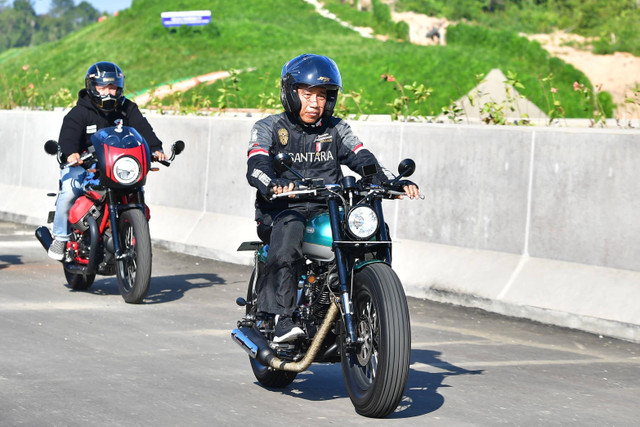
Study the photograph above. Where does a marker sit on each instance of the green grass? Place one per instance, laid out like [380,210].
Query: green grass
[263,35]
[589,18]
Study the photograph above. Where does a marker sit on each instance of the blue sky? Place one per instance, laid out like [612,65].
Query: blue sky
[42,6]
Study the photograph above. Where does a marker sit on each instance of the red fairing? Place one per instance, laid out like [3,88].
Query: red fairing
[114,153]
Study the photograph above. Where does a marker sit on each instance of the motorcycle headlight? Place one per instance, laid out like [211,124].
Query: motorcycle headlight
[126,170]
[362,222]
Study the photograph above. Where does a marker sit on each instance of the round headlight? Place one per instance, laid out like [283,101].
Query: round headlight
[126,170]
[362,222]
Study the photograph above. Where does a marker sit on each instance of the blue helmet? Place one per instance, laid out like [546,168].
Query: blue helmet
[104,73]
[309,70]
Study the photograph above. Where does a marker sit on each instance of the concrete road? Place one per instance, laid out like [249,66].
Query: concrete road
[89,359]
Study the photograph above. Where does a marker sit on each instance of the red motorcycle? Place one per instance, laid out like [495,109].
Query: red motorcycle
[110,230]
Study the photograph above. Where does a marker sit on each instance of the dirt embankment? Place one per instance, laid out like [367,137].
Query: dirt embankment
[617,74]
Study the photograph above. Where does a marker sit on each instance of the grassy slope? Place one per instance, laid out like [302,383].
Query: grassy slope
[263,35]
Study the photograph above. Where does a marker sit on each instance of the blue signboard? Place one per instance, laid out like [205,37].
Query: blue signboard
[190,17]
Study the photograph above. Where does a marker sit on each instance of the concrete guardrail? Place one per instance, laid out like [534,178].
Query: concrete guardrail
[533,222]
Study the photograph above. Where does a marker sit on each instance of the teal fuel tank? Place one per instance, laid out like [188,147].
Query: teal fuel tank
[318,238]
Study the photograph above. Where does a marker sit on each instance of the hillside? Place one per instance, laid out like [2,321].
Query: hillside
[245,34]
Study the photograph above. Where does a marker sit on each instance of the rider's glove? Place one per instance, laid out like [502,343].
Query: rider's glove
[277,182]
[405,182]
[280,182]
[399,186]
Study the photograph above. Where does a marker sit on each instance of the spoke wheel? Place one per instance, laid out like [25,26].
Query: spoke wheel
[265,375]
[134,269]
[376,371]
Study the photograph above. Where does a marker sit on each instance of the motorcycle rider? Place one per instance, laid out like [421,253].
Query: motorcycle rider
[319,144]
[100,104]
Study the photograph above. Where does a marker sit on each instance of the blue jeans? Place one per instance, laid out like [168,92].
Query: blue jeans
[71,188]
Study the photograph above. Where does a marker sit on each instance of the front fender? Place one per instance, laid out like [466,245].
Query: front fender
[360,265]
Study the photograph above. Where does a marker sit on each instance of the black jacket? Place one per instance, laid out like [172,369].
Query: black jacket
[318,151]
[85,119]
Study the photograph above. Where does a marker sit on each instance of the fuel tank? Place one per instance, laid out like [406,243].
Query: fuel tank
[317,240]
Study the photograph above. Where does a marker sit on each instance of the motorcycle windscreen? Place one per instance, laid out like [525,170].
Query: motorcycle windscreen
[123,156]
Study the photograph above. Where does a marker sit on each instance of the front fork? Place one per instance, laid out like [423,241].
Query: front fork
[115,207]
[343,273]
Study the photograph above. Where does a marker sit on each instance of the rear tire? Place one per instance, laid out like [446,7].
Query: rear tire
[265,375]
[79,282]
[134,270]
[376,374]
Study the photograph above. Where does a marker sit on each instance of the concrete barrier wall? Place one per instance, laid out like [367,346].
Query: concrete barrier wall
[533,222]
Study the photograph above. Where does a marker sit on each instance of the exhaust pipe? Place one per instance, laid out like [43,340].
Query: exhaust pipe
[44,237]
[252,341]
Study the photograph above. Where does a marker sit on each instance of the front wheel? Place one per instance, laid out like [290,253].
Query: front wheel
[134,268]
[376,371]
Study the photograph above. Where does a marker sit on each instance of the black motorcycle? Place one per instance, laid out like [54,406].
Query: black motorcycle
[351,304]
[109,222]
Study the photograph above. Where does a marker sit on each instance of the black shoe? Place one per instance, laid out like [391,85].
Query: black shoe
[286,330]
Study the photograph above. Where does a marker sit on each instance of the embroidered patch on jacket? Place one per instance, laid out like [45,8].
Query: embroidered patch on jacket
[92,128]
[325,138]
[283,135]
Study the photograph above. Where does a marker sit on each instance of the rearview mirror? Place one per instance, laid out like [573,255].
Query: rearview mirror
[51,147]
[406,167]
[178,147]
[282,162]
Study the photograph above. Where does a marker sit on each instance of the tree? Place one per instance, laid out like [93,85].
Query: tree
[60,7]
[21,27]
[24,6]
[83,14]
[18,24]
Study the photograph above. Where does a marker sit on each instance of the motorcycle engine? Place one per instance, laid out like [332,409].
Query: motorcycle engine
[80,211]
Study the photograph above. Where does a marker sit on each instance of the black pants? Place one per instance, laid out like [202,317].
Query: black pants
[277,288]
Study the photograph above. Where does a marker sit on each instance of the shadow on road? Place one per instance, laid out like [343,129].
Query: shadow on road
[7,260]
[325,382]
[162,289]
[421,395]
[171,288]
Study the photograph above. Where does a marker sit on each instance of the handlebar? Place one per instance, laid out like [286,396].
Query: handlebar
[328,188]
[85,156]
[176,148]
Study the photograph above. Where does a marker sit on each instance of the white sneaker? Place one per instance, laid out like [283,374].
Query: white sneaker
[286,330]
[56,250]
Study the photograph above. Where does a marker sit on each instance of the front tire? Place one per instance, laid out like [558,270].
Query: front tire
[265,375]
[376,373]
[134,269]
